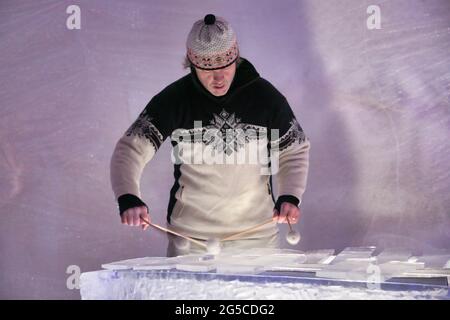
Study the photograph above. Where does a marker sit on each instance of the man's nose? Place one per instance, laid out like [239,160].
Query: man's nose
[218,75]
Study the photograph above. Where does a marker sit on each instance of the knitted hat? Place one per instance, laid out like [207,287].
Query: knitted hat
[212,43]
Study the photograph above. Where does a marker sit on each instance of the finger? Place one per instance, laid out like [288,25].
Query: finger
[293,215]
[129,217]
[289,218]
[136,218]
[290,212]
[284,212]
[145,217]
[144,223]
[123,218]
[275,215]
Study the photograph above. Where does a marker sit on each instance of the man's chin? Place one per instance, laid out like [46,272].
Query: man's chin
[219,92]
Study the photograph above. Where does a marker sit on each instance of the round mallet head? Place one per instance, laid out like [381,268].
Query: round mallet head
[213,246]
[293,237]
[182,244]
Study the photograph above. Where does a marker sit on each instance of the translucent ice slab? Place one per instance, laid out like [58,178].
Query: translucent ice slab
[196,267]
[310,261]
[428,273]
[157,263]
[350,264]
[354,253]
[196,263]
[281,262]
[238,269]
[319,256]
[363,269]
[393,255]
[434,260]
[398,268]
[240,265]
[350,269]
[161,262]
[258,252]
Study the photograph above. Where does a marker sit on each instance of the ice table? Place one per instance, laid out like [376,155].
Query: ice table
[290,275]
[185,285]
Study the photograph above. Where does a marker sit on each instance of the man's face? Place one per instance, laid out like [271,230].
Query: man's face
[217,82]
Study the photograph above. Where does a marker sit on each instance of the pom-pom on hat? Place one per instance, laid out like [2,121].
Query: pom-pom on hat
[212,43]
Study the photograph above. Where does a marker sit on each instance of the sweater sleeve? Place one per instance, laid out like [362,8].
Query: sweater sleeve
[135,149]
[289,155]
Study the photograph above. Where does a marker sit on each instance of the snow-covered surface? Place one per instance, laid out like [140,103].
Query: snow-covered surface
[131,284]
[262,273]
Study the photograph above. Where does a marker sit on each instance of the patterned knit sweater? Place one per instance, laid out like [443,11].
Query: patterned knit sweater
[225,151]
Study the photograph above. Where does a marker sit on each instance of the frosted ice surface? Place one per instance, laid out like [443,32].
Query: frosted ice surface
[434,260]
[318,256]
[261,252]
[145,263]
[199,266]
[354,252]
[158,285]
[280,262]
[398,269]
[130,263]
[447,265]
[393,255]
[353,269]
[290,263]
[237,265]
[188,282]
[427,273]
[196,263]
[255,261]
[354,263]
[243,261]
[157,263]
[238,269]
[350,264]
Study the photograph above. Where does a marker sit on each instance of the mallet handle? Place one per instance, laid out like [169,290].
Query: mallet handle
[233,236]
[173,232]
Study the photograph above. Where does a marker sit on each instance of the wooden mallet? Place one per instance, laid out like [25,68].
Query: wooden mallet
[173,232]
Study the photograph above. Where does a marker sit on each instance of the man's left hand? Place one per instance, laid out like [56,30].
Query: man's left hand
[287,210]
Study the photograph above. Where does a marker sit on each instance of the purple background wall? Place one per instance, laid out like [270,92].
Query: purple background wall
[374,103]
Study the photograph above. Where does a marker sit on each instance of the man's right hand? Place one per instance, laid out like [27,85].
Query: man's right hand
[132,217]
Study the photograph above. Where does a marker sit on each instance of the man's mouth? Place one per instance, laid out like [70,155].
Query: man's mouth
[219,86]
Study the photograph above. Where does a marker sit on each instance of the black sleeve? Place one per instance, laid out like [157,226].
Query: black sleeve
[128,201]
[285,135]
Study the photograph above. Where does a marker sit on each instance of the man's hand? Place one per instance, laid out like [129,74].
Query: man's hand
[287,210]
[132,217]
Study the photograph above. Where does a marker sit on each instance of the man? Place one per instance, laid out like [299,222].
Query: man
[215,116]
